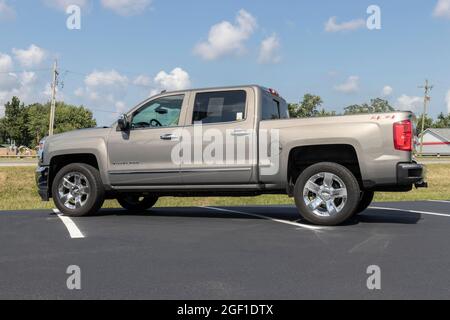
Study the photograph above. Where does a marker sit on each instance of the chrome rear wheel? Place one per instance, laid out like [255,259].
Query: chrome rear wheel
[325,194]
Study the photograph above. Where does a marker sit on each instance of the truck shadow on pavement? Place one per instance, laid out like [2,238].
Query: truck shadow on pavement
[370,216]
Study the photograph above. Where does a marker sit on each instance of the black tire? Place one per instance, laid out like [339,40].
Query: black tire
[136,202]
[347,208]
[365,201]
[93,202]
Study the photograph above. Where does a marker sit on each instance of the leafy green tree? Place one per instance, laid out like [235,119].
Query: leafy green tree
[15,121]
[27,125]
[428,123]
[443,121]
[308,107]
[357,109]
[324,113]
[379,105]
[376,105]
[68,118]
[3,133]
[38,118]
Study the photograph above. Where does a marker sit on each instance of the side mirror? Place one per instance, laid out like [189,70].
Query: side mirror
[123,124]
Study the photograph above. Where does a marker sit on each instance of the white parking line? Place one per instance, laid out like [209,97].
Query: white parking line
[413,211]
[292,223]
[74,232]
[440,201]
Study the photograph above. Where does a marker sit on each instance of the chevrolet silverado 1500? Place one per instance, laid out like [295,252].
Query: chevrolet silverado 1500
[231,141]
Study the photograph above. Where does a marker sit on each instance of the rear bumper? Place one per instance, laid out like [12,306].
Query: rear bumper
[42,182]
[411,174]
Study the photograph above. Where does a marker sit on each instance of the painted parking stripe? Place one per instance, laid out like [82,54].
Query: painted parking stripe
[292,223]
[74,232]
[412,211]
[439,201]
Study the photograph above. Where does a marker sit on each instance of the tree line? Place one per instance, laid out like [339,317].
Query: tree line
[26,125]
[311,106]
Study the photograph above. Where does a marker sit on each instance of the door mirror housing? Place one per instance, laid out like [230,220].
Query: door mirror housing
[123,123]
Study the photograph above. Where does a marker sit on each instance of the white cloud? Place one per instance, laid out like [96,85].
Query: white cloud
[447,100]
[442,9]
[107,90]
[8,80]
[387,91]
[6,11]
[225,38]
[105,79]
[143,80]
[6,63]
[46,93]
[333,26]
[409,103]
[269,50]
[121,107]
[29,90]
[127,7]
[30,57]
[29,86]
[349,86]
[177,79]
[63,4]
[28,78]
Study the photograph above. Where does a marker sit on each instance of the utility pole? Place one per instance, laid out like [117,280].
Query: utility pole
[427,87]
[53,102]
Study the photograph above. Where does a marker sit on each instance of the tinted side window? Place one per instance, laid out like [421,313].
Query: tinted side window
[216,107]
[284,110]
[270,108]
[162,112]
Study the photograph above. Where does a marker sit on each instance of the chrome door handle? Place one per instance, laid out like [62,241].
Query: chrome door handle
[240,133]
[169,137]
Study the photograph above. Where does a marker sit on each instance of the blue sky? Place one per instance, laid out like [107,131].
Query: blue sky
[128,49]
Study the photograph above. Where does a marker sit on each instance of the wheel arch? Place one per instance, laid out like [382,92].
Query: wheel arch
[57,162]
[302,157]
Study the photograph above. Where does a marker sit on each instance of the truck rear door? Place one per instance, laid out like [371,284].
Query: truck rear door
[219,133]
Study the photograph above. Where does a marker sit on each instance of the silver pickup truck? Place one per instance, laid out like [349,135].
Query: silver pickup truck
[231,141]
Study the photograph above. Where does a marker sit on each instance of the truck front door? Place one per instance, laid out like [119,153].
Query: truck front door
[142,156]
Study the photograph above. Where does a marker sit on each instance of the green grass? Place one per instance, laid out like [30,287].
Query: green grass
[18,192]
[17,160]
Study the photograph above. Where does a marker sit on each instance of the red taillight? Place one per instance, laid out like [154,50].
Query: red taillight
[403,135]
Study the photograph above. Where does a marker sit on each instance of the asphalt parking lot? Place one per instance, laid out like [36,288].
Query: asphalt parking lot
[227,253]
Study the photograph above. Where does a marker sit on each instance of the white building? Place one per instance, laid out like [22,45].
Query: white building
[436,142]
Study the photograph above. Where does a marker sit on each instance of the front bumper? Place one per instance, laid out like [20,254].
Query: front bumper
[409,174]
[42,182]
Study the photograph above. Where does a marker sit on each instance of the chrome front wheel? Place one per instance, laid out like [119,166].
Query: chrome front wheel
[74,190]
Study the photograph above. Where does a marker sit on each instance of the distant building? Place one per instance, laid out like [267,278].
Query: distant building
[436,142]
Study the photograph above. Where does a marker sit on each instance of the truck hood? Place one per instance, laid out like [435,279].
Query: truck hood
[101,132]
